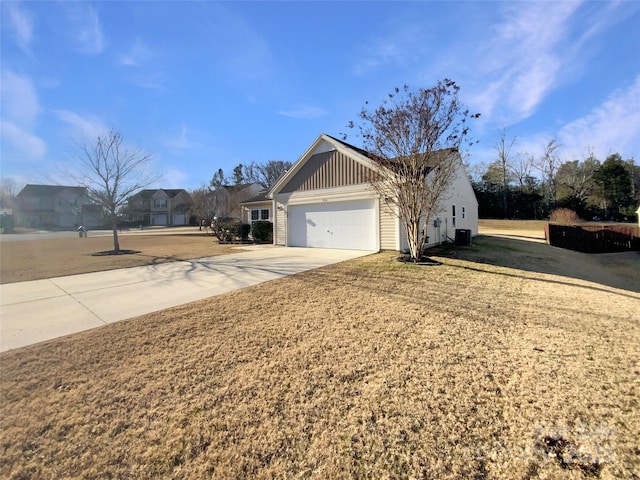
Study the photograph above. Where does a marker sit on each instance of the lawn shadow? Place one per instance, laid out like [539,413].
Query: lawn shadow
[617,270]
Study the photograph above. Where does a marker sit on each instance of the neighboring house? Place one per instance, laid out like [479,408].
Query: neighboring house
[258,207]
[229,199]
[326,200]
[160,207]
[55,206]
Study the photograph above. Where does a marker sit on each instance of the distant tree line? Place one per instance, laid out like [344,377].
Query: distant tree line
[526,187]
[265,174]
[221,196]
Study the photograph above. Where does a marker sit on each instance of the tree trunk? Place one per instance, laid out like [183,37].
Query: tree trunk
[413,238]
[116,242]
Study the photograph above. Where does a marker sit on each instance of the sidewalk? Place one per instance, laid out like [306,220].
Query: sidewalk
[35,311]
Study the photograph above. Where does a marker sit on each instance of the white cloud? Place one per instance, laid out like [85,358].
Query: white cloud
[19,99]
[21,23]
[84,28]
[522,60]
[20,112]
[139,63]
[235,45]
[84,128]
[401,48]
[304,111]
[173,178]
[137,56]
[613,127]
[180,141]
[22,141]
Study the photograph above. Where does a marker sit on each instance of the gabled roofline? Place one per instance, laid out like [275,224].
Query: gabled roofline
[357,154]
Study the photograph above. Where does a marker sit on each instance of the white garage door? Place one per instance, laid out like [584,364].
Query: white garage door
[160,219]
[348,225]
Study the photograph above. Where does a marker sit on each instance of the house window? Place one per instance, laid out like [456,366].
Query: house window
[463,212]
[453,214]
[255,214]
[264,214]
[160,203]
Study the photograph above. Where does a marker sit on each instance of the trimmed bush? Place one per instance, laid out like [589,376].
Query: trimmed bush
[244,231]
[564,216]
[262,231]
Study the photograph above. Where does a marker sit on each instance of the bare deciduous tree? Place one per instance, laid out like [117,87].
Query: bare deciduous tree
[9,189]
[414,138]
[503,150]
[204,204]
[548,166]
[111,173]
[270,171]
[521,170]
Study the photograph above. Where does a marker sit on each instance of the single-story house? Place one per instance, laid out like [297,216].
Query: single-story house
[326,200]
[258,207]
[162,207]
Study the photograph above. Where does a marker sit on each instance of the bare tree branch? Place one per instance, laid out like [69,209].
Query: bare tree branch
[112,173]
[414,138]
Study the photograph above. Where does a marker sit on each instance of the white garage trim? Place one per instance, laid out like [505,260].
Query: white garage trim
[350,225]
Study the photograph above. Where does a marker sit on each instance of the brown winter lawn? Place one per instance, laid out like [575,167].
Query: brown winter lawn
[37,259]
[512,359]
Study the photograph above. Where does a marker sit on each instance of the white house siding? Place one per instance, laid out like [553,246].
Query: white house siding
[280,237]
[461,195]
[388,228]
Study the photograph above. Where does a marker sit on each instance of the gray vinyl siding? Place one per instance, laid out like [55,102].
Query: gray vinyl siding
[328,170]
[388,222]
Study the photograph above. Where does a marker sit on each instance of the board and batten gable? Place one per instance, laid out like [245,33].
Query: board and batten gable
[331,169]
[326,174]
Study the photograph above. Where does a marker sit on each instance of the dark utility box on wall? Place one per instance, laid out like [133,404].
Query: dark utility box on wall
[463,236]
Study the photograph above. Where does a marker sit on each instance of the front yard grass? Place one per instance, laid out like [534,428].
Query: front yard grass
[37,259]
[488,366]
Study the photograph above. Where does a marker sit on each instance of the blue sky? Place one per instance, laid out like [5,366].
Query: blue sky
[203,85]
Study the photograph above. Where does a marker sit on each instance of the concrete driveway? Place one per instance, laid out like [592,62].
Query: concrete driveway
[40,310]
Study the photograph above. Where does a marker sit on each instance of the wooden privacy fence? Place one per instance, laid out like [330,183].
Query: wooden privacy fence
[593,238]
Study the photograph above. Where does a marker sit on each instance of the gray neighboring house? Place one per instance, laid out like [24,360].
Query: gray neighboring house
[160,207]
[56,206]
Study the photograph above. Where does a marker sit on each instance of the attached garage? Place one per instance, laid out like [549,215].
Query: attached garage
[346,225]
[326,200]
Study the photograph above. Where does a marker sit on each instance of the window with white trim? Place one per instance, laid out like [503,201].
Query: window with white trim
[264,214]
[255,215]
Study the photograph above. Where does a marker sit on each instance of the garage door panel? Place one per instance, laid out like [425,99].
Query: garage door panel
[348,225]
